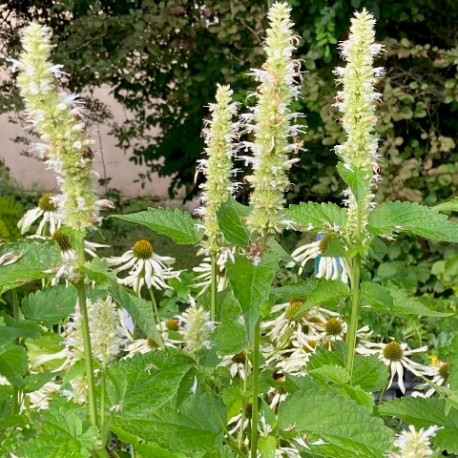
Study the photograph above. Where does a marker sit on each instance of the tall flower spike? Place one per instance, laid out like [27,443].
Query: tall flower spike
[57,117]
[357,101]
[219,134]
[270,122]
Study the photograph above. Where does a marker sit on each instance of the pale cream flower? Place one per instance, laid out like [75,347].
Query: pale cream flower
[237,365]
[395,356]
[147,267]
[415,444]
[48,211]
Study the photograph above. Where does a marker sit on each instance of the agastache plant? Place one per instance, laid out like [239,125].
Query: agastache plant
[220,135]
[359,168]
[58,117]
[271,124]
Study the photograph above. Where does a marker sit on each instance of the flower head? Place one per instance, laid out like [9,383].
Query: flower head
[219,136]
[357,101]
[47,210]
[144,267]
[58,119]
[196,328]
[270,122]
[415,444]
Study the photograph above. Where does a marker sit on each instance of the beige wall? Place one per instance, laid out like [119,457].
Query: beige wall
[32,174]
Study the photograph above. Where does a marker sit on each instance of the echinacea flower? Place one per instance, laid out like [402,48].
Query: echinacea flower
[329,267]
[395,356]
[147,267]
[415,444]
[48,211]
[237,364]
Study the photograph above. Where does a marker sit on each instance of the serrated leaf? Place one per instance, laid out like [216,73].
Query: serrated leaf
[394,217]
[231,222]
[420,412]
[346,428]
[369,373]
[317,218]
[14,364]
[145,383]
[314,291]
[36,256]
[394,300]
[331,374]
[357,180]
[10,329]
[194,429]
[251,285]
[49,306]
[449,206]
[139,309]
[176,224]
[358,395]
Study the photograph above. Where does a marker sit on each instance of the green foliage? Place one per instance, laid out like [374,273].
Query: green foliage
[303,413]
[318,218]
[49,306]
[9,212]
[230,220]
[394,217]
[14,364]
[174,223]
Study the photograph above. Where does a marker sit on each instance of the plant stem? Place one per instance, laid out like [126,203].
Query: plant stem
[240,434]
[355,304]
[17,316]
[87,353]
[156,316]
[213,286]
[255,389]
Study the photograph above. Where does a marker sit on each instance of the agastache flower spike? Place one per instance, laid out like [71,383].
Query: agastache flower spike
[57,118]
[357,101]
[271,124]
[219,135]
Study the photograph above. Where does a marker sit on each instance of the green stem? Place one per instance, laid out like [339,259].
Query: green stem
[87,353]
[240,434]
[213,286]
[17,316]
[102,406]
[355,305]
[156,316]
[255,389]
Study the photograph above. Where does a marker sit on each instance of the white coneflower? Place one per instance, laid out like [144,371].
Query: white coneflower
[237,364]
[196,327]
[41,398]
[63,240]
[47,210]
[220,134]
[9,258]
[271,124]
[58,119]
[329,268]
[357,101]
[204,270]
[108,337]
[147,267]
[395,356]
[415,444]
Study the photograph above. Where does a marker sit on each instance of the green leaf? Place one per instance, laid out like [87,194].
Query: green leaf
[14,364]
[145,383]
[36,256]
[139,309]
[267,446]
[330,374]
[369,373]
[449,206]
[314,291]
[251,285]
[229,336]
[395,300]
[49,306]
[394,217]
[420,412]
[194,429]
[447,439]
[63,433]
[176,224]
[317,218]
[231,222]
[357,180]
[358,395]
[11,329]
[347,428]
